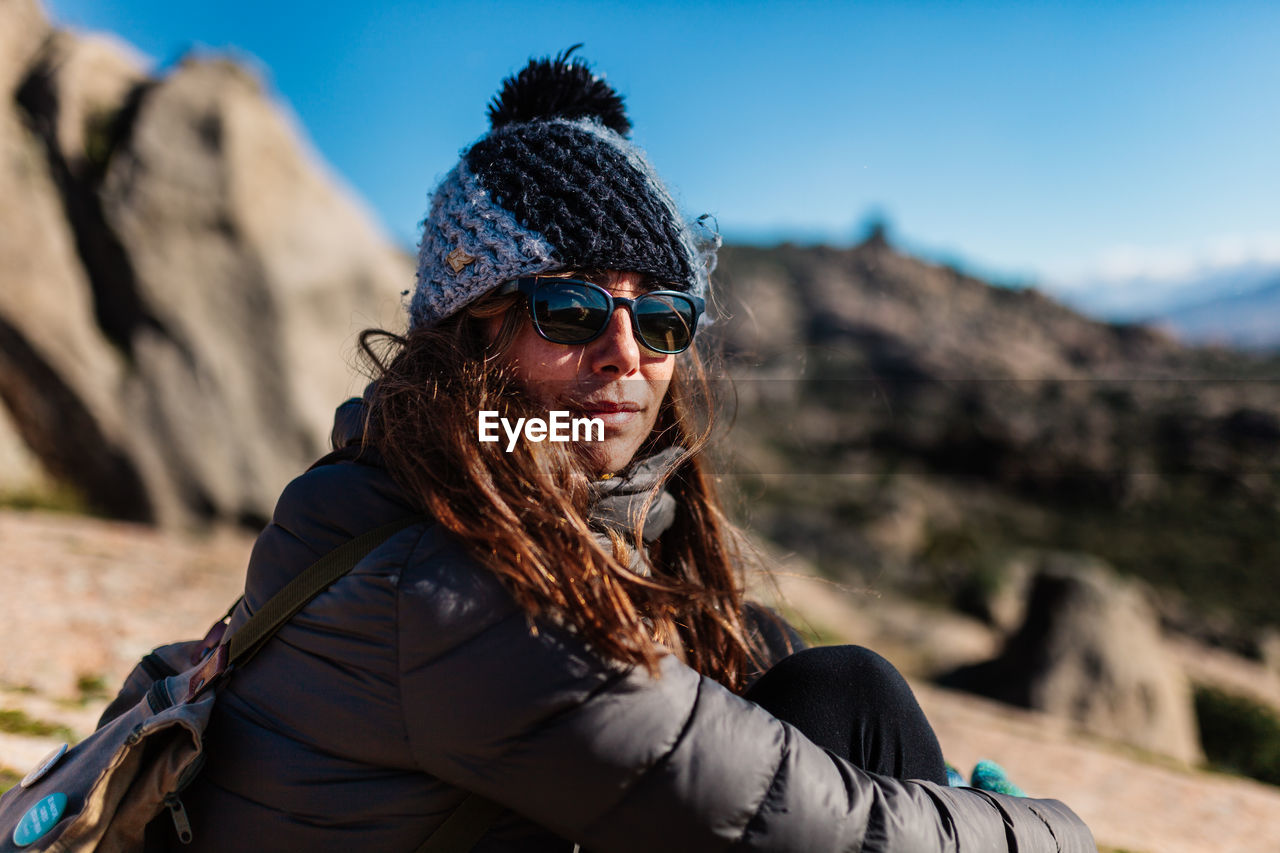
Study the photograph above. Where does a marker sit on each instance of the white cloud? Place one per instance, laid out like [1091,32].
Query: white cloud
[1132,279]
[1125,263]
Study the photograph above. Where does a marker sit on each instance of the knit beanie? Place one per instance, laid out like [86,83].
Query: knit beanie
[555,185]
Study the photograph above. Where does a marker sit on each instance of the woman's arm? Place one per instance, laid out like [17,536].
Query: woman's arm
[620,761]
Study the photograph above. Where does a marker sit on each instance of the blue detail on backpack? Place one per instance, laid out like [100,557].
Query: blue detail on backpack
[39,819]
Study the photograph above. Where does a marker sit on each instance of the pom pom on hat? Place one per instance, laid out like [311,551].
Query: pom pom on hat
[558,87]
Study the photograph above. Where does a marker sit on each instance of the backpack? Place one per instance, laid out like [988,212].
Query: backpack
[111,791]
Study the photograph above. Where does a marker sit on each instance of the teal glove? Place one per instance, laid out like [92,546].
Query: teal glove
[986,776]
[989,776]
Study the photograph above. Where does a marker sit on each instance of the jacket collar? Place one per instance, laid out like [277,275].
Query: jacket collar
[619,499]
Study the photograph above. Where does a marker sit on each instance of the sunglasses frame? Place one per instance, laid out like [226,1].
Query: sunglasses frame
[529,285]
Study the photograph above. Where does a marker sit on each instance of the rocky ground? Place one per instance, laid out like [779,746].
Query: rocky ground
[1132,801]
[85,598]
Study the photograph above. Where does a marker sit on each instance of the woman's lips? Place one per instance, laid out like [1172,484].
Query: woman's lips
[614,419]
[612,414]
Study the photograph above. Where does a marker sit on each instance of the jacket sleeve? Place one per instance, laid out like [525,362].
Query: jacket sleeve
[617,760]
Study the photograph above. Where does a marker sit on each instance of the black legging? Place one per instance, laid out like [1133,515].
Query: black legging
[851,701]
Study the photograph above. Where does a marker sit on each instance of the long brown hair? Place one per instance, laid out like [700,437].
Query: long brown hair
[523,514]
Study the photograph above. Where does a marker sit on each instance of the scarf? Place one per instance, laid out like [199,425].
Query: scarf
[618,501]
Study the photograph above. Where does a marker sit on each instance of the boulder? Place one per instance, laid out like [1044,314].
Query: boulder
[57,373]
[183,280]
[1090,650]
[251,273]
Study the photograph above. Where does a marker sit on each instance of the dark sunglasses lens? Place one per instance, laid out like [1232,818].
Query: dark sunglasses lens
[666,322]
[569,313]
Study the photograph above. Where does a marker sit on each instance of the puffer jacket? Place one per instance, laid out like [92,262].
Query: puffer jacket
[415,679]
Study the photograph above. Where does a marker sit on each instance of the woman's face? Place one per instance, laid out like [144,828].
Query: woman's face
[613,378]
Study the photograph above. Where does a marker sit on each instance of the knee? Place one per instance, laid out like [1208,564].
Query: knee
[853,702]
[840,676]
[843,664]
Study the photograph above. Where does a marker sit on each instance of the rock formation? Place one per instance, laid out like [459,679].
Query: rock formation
[1090,650]
[182,282]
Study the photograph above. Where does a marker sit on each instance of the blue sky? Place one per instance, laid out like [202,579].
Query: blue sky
[1063,143]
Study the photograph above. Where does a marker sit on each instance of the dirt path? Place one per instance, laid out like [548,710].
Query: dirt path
[83,599]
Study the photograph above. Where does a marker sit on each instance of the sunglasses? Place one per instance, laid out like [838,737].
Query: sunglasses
[568,311]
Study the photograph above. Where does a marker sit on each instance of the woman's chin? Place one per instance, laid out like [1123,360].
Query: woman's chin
[611,455]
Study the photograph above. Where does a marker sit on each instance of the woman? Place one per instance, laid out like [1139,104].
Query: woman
[565,635]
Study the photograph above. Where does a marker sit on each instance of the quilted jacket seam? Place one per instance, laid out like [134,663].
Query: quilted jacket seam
[607,814]
[750,828]
[400,599]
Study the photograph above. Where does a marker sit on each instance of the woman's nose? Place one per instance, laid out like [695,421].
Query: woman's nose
[616,350]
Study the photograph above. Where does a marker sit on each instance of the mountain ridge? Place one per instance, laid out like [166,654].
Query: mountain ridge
[996,419]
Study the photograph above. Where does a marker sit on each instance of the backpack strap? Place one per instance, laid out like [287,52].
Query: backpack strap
[296,594]
[283,606]
[462,829]
[474,815]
